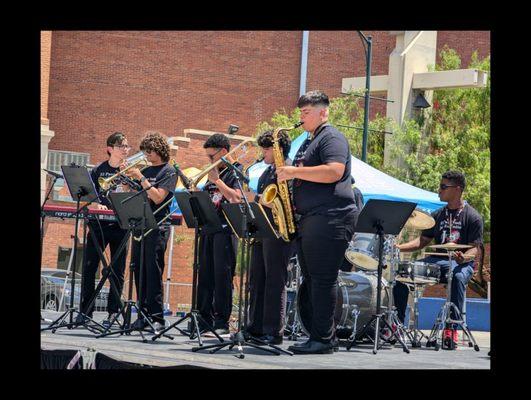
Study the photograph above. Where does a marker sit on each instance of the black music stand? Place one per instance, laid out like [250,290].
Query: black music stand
[133,213]
[248,221]
[382,217]
[81,189]
[199,213]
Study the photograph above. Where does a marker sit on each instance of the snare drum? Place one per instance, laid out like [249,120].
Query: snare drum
[418,272]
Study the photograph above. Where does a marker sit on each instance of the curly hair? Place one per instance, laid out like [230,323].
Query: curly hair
[456,177]
[154,141]
[265,139]
[217,141]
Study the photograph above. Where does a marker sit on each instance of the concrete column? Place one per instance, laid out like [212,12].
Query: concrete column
[414,52]
[46,133]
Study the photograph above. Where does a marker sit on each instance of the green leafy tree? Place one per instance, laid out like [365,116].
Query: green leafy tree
[455,135]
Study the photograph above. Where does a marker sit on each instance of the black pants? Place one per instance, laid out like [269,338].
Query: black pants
[217,264]
[321,248]
[154,250]
[109,235]
[267,287]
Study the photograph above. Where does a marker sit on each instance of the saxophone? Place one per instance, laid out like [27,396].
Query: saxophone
[277,195]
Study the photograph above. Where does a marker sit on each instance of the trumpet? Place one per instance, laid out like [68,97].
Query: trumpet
[186,182]
[137,160]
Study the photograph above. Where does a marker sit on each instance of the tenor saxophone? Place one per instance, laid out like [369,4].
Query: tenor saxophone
[277,194]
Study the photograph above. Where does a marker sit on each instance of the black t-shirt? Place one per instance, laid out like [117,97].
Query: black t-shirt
[156,173]
[467,226]
[228,177]
[331,199]
[104,170]
[358,198]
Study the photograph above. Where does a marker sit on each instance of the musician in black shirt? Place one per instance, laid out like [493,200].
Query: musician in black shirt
[107,233]
[217,251]
[160,181]
[269,260]
[324,200]
[457,222]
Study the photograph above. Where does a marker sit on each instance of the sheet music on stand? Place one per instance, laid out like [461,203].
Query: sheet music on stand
[78,181]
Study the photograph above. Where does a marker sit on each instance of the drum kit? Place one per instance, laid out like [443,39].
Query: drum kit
[357,290]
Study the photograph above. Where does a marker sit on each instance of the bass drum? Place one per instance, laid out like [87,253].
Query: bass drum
[355,290]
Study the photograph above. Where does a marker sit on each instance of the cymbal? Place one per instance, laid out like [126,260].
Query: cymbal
[420,220]
[450,246]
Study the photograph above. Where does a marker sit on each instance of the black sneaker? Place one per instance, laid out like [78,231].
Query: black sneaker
[110,318]
[139,324]
[270,339]
[313,347]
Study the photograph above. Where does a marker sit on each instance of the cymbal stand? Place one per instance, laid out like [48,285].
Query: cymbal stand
[444,317]
[397,328]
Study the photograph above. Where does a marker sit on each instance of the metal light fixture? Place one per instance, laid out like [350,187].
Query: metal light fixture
[421,102]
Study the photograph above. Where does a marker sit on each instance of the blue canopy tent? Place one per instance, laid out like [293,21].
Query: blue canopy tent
[372,183]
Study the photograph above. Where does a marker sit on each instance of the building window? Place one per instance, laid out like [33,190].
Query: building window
[57,158]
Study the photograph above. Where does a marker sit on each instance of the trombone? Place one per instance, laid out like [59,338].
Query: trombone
[191,183]
[137,160]
[194,180]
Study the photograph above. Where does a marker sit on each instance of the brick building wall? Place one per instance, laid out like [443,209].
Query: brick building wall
[101,82]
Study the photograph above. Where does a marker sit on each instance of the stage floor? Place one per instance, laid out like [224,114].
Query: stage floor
[166,352]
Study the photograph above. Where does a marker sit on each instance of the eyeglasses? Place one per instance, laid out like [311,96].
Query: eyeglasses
[211,156]
[123,147]
[443,186]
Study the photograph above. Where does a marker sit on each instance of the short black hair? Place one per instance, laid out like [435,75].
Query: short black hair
[114,139]
[217,141]
[266,140]
[313,98]
[456,177]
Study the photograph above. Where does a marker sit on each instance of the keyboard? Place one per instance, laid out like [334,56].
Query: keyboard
[55,211]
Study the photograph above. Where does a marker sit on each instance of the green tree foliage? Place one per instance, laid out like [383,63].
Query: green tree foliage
[454,135]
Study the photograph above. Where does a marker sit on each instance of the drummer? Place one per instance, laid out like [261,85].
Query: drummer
[457,222]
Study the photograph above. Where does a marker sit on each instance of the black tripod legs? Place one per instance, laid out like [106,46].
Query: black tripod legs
[443,318]
[239,340]
[196,320]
